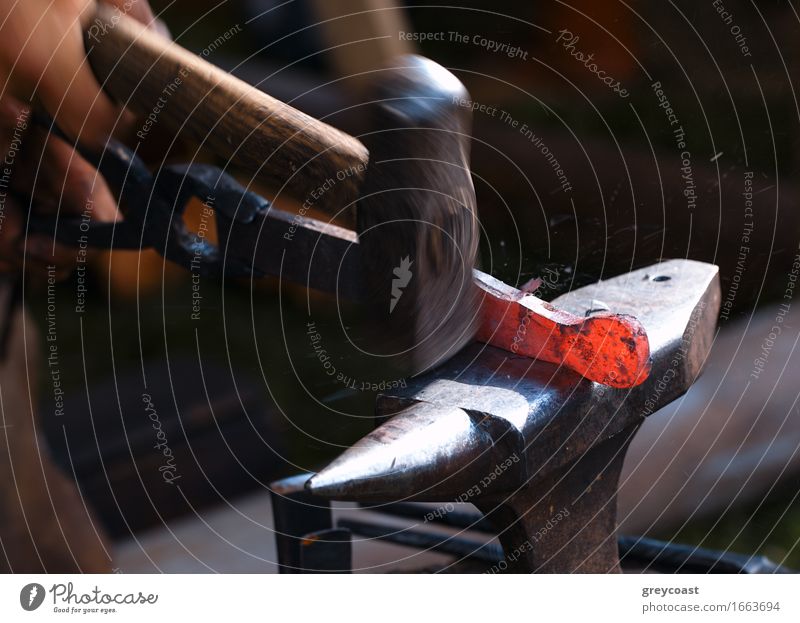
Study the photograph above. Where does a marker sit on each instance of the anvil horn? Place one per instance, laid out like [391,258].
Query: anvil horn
[425,451]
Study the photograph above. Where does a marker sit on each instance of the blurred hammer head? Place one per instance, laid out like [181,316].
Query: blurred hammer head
[417,222]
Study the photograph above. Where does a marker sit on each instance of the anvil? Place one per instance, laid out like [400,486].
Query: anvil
[535,446]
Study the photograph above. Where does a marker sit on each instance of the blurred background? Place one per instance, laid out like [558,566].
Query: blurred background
[677,139]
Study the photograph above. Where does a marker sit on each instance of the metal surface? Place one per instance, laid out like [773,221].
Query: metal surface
[426,452]
[527,441]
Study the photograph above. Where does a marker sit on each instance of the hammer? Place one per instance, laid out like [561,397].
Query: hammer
[416,223]
[411,257]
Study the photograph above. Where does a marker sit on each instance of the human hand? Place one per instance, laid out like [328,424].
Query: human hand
[43,64]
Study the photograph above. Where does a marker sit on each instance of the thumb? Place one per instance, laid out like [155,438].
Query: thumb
[69,90]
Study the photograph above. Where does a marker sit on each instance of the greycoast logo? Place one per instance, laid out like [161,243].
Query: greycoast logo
[31,596]
[67,601]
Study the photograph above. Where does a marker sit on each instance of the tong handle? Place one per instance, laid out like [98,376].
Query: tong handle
[177,90]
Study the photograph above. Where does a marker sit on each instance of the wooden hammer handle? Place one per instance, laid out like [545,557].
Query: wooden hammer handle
[178,91]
